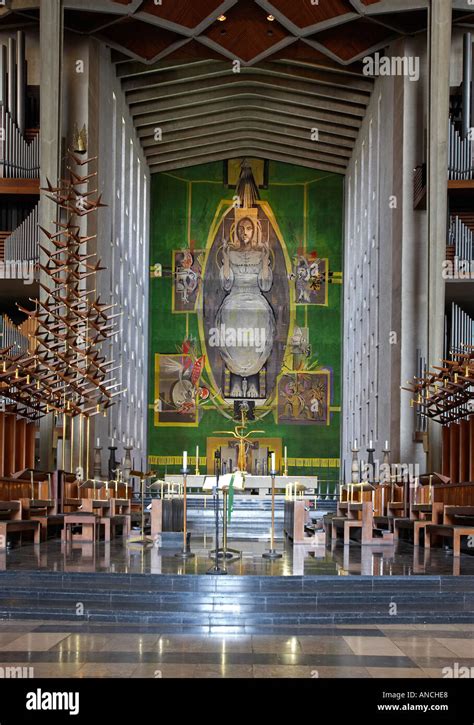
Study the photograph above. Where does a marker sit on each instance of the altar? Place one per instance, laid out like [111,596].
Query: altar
[261,484]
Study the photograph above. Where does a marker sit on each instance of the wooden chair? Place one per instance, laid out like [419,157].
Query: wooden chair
[86,521]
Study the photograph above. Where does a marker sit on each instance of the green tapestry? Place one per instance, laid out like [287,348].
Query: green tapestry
[246,308]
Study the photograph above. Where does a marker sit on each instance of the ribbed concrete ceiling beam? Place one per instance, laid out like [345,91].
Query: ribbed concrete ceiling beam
[201,71]
[181,130]
[239,149]
[278,111]
[246,132]
[255,79]
[191,149]
[255,91]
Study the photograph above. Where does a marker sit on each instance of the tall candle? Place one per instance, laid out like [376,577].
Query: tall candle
[355,443]
[370,444]
[197,455]
[286,457]
[185,460]
[98,443]
[386,445]
[273,462]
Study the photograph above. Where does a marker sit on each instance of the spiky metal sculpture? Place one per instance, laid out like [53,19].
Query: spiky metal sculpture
[64,371]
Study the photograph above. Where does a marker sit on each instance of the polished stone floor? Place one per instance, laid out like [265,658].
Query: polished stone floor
[364,651]
[120,557]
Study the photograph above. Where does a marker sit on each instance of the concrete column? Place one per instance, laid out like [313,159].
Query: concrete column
[440,20]
[51,50]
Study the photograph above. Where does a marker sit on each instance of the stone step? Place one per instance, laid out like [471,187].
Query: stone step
[292,584]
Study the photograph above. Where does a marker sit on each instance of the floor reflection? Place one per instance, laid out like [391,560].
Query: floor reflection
[120,557]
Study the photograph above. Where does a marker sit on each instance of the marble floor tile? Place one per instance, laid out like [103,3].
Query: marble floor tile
[396,672]
[81,643]
[341,672]
[324,645]
[442,662]
[34,642]
[178,643]
[460,647]
[8,637]
[277,644]
[57,671]
[130,643]
[160,671]
[423,647]
[228,671]
[373,646]
[102,669]
[434,672]
[292,671]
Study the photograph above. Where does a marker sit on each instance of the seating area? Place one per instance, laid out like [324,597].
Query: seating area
[428,511]
[36,506]
[73,517]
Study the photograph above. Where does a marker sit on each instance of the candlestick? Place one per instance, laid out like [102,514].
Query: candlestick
[186,553]
[272,553]
[355,464]
[127,461]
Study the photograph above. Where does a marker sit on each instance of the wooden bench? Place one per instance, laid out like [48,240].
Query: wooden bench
[420,516]
[359,515]
[11,522]
[44,511]
[111,514]
[451,531]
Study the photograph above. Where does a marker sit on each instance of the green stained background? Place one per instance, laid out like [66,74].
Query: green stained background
[288,184]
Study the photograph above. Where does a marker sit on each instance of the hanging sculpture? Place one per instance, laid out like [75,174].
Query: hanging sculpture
[66,373]
[446,393]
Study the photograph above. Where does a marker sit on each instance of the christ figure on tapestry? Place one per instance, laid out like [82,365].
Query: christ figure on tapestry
[245,320]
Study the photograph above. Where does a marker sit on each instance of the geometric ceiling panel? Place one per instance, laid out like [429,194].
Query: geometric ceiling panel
[181,12]
[301,69]
[246,33]
[304,13]
[404,22]
[191,51]
[300,50]
[360,36]
[142,39]
[82,21]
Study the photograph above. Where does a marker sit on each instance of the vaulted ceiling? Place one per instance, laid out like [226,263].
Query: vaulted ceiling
[243,77]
